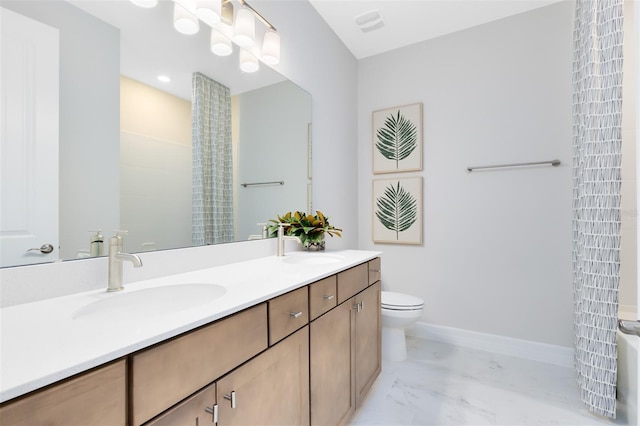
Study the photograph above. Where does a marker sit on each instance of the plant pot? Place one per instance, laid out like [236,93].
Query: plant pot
[313,245]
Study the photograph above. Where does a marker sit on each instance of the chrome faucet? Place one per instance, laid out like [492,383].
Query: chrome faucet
[282,238]
[116,257]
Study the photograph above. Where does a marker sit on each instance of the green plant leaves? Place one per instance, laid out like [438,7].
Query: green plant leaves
[305,226]
[397,138]
[397,209]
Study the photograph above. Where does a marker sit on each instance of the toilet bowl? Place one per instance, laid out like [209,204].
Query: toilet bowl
[398,312]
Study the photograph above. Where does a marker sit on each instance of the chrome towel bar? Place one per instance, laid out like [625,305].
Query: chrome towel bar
[278,182]
[554,163]
[629,327]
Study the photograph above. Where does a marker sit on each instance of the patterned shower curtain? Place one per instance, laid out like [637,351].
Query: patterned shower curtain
[597,118]
[212,217]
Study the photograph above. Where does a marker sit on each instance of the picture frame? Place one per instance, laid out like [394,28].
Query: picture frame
[397,139]
[397,210]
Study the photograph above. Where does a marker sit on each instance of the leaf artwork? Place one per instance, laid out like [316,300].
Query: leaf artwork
[397,138]
[397,209]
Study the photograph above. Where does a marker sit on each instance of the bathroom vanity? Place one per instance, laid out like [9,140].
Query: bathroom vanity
[291,340]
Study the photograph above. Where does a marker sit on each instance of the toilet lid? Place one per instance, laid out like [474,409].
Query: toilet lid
[393,300]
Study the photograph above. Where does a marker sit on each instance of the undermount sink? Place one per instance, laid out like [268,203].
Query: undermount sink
[309,259]
[149,302]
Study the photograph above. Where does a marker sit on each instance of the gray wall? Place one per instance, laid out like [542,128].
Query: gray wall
[314,58]
[496,256]
[271,143]
[89,120]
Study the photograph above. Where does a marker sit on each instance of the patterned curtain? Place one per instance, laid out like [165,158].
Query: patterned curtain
[212,217]
[597,119]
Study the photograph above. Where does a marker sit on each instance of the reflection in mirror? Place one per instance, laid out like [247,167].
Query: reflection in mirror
[124,138]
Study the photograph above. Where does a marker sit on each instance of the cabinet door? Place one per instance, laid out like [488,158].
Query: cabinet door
[367,340]
[271,389]
[332,391]
[195,411]
[166,374]
[94,398]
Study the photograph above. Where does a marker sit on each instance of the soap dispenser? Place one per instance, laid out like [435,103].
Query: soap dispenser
[96,243]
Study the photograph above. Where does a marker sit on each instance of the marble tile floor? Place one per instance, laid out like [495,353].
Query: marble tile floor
[441,384]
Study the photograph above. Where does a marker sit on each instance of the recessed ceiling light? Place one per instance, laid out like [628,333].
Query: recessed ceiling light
[164,78]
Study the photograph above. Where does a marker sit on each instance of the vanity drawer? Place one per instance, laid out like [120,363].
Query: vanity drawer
[287,313]
[374,270]
[352,281]
[94,398]
[322,296]
[167,373]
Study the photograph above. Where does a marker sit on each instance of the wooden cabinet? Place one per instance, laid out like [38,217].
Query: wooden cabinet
[374,270]
[367,348]
[271,389]
[287,313]
[197,410]
[94,398]
[345,351]
[167,373]
[352,281]
[332,381]
[322,296]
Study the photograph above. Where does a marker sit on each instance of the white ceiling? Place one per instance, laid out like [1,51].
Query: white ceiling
[410,21]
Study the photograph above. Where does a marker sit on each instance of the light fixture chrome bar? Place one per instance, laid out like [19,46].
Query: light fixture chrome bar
[255,12]
[278,182]
[554,163]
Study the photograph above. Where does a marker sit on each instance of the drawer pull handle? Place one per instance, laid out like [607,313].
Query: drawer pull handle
[231,398]
[328,297]
[214,413]
[374,270]
[295,314]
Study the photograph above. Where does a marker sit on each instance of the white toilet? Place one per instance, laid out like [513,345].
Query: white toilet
[398,312]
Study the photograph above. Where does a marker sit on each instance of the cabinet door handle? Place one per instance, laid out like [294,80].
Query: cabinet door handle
[214,413]
[374,270]
[328,297]
[295,314]
[231,398]
[357,307]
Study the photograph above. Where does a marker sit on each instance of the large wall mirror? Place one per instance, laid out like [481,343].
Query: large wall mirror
[123,158]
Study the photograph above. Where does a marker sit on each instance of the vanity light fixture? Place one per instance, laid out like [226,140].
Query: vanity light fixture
[147,4]
[209,11]
[248,62]
[271,47]
[244,27]
[219,15]
[185,20]
[220,45]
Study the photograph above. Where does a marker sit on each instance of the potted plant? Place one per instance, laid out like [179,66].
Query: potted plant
[310,229]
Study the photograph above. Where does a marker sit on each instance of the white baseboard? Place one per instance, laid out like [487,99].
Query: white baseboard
[526,349]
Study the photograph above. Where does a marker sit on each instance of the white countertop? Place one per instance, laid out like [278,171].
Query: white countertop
[41,342]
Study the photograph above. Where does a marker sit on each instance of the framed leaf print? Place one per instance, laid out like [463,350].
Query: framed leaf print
[397,139]
[397,210]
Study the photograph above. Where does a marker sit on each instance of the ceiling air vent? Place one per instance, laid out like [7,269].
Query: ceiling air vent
[369,21]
